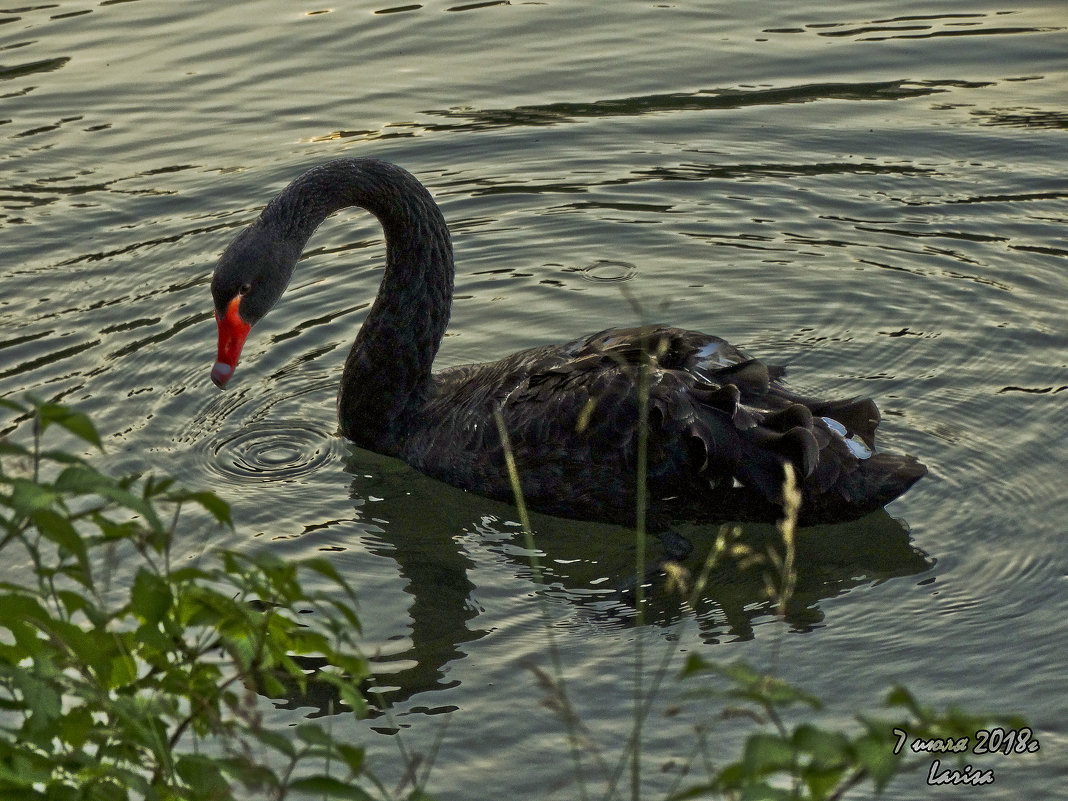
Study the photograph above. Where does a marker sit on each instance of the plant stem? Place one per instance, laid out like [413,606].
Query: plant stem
[639,568]
[535,565]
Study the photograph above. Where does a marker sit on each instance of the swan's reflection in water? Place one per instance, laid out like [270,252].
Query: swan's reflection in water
[426,527]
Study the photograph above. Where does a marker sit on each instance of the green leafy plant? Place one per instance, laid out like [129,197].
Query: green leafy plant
[151,685]
[784,761]
[781,761]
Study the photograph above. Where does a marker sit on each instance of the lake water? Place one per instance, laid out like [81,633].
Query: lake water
[873,194]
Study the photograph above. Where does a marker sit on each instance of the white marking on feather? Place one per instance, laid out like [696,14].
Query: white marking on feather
[711,355]
[835,426]
[856,446]
[708,350]
[859,449]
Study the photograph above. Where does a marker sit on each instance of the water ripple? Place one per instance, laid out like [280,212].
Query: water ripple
[605,270]
[271,452]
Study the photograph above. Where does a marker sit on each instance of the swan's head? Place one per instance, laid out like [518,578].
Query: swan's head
[249,279]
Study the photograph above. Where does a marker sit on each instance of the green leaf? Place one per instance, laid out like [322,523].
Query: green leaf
[752,685]
[695,664]
[190,575]
[355,699]
[75,727]
[314,734]
[707,790]
[61,457]
[21,767]
[150,596]
[76,423]
[350,620]
[765,792]
[821,781]
[282,743]
[60,530]
[43,700]
[876,755]
[259,778]
[83,479]
[28,496]
[829,749]
[325,568]
[13,406]
[355,665]
[153,645]
[329,787]
[767,753]
[209,501]
[353,756]
[900,696]
[22,608]
[13,449]
[76,602]
[106,654]
[80,479]
[203,775]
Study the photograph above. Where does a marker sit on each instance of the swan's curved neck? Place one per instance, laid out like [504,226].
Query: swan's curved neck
[387,373]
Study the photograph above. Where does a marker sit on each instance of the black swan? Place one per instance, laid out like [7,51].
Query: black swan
[721,425]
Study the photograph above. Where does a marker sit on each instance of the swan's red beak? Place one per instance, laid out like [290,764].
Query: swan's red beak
[232,333]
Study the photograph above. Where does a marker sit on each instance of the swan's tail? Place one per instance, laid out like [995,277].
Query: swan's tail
[865,486]
[740,452]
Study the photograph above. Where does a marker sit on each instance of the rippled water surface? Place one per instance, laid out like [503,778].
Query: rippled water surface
[873,194]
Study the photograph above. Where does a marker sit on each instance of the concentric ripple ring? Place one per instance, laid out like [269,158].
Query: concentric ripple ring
[268,452]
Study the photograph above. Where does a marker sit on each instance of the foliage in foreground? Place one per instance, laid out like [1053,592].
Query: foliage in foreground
[152,689]
[800,761]
[785,761]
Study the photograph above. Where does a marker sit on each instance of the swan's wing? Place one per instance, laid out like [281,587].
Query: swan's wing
[714,420]
[721,427]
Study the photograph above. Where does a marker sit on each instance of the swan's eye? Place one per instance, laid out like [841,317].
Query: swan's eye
[245,289]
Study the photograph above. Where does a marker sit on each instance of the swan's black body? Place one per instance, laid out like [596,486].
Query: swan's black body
[721,425]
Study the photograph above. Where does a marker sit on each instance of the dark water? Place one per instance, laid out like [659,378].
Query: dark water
[874,195]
